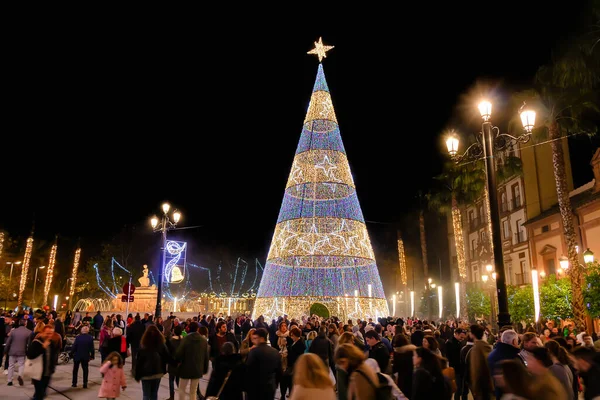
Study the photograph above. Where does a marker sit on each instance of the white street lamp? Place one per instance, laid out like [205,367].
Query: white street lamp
[154,222]
[564,262]
[536,293]
[485,109]
[528,119]
[457,294]
[489,268]
[452,143]
[176,216]
[588,256]
[484,278]
[166,207]
[440,302]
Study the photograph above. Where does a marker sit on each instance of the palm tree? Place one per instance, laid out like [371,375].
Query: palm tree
[565,93]
[459,184]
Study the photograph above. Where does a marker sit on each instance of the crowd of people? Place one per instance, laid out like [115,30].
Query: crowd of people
[310,358]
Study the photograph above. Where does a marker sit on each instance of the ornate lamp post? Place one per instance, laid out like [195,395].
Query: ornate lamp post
[34,284]
[491,139]
[163,226]
[12,264]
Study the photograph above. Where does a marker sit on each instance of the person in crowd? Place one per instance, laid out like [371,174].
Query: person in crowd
[16,350]
[416,338]
[403,361]
[562,368]
[59,328]
[218,339]
[87,319]
[377,350]
[105,335]
[228,365]
[113,380]
[323,347]
[310,336]
[119,323]
[83,351]
[117,343]
[545,384]
[529,342]
[513,380]
[480,381]
[284,342]
[589,369]
[193,357]
[441,342]
[152,359]
[507,349]
[453,348]
[360,377]
[432,345]
[246,344]
[333,334]
[68,321]
[173,344]
[43,346]
[263,368]
[428,381]
[294,352]
[134,336]
[311,379]
[76,318]
[39,328]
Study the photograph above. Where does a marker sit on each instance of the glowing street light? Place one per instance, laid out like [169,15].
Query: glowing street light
[564,262]
[489,268]
[484,278]
[452,143]
[485,109]
[536,293]
[440,302]
[412,303]
[457,294]
[394,305]
[528,119]
[588,256]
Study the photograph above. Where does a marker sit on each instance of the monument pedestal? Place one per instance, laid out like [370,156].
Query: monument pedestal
[144,300]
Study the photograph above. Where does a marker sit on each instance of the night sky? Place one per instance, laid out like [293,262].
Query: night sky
[105,122]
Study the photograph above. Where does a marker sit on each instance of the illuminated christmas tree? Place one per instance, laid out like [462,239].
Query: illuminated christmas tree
[320,254]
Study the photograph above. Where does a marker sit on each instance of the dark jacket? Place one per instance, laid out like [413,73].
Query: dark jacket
[453,346]
[214,344]
[59,328]
[380,354]
[417,338]
[192,353]
[36,348]
[98,321]
[134,333]
[403,366]
[223,365]
[322,346]
[115,344]
[502,352]
[263,371]
[173,344]
[426,387]
[591,382]
[83,348]
[294,351]
[464,365]
[151,362]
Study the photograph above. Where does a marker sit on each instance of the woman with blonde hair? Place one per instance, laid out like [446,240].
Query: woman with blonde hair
[246,344]
[311,379]
[360,378]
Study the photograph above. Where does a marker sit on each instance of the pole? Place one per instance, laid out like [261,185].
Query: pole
[127,306]
[488,142]
[161,270]
[34,284]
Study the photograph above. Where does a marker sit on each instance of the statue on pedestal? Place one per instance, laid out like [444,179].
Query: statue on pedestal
[144,280]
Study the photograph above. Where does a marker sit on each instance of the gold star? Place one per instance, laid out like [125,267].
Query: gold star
[320,49]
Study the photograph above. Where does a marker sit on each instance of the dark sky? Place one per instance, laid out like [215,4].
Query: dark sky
[104,121]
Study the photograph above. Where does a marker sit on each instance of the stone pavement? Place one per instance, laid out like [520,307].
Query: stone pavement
[60,385]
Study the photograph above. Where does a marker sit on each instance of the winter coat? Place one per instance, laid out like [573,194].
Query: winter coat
[302,393]
[263,371]
[453,347]
[481,378]
[173,344]
[98,321]
[565,377]
[83,348]
[192,353]
[403,366]
[214,344]
[380,354]
[223,365]
[323,347]
[503,351]
[114,379]
[546,386]
[426,386]
[135,333]
[151,362]
[294,352]
[118,344]
[36,348]
[16,345]
[358,386]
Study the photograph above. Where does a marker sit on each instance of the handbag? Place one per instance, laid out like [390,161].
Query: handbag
[221,389]
[34,368]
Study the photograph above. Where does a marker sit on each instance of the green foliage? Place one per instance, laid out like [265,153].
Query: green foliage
[465,182]
[320,310]
[591,292]
[510,167]
[478,302]
[520,303]
[555,299]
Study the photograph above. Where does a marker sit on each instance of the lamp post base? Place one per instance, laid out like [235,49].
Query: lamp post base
[503,319]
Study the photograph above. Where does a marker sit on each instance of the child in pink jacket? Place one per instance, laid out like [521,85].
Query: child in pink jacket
[114,376]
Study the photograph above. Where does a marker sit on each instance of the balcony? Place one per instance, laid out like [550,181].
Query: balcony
[520,237]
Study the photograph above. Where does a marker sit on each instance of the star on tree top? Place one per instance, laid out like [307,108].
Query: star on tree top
[320,49]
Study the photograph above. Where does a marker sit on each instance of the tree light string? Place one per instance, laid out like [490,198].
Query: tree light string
[1,243]
[320,249]
[402,262]
[25,269]
[74,272]
[50,272]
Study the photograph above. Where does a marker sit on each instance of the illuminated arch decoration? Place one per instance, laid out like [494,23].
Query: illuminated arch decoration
[320,251]
[175,257]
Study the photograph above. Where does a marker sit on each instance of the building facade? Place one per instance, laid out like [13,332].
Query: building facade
[526,188]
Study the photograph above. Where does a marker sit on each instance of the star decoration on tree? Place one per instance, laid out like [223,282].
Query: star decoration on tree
[320,49]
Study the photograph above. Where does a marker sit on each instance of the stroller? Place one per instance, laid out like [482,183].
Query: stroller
[65,355]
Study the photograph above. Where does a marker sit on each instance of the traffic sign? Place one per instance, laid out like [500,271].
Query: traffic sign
[124,299]
[128,288]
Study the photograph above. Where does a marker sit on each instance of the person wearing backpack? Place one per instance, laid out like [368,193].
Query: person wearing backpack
[362,382]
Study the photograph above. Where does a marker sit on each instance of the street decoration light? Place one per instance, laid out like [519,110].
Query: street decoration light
[457,295]
[440,302]
[588,256]
[491,139]
[564,262]
[536,293]
[163,226]
[35,283]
